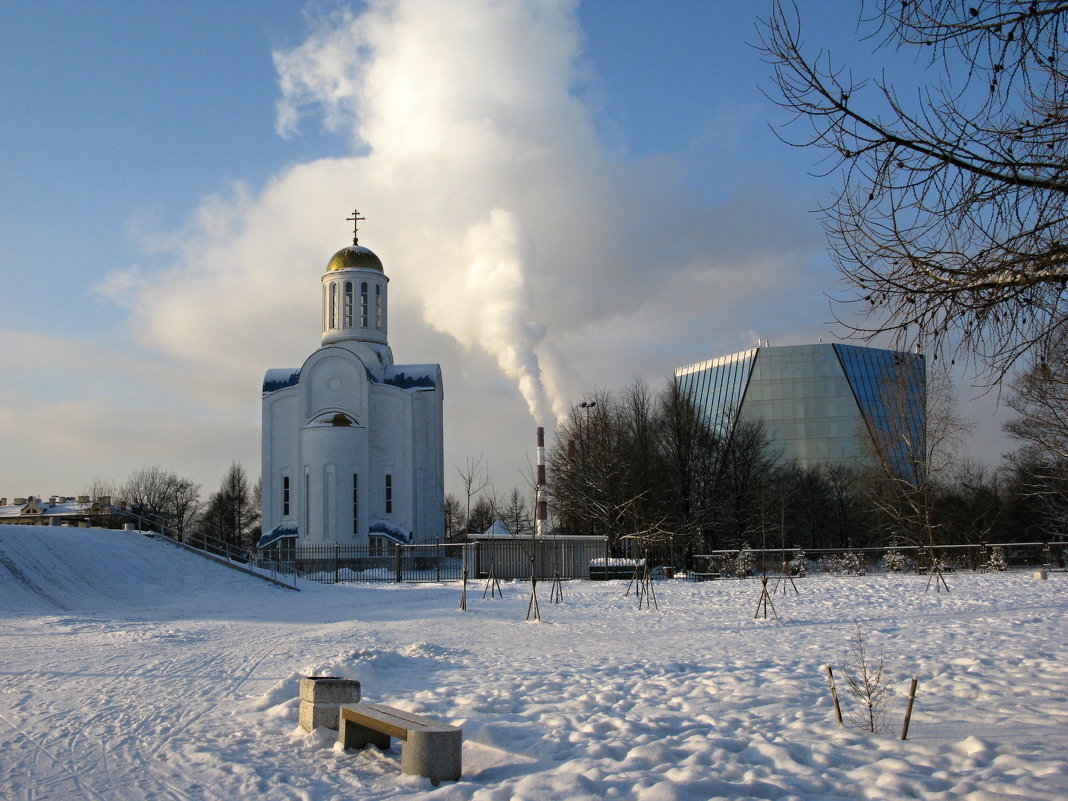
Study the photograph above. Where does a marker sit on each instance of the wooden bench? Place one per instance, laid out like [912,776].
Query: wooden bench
[431,749]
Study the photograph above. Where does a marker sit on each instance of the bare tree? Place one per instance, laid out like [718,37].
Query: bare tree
[516,515]
[950,225]
[688,456]
[231,516]
[917,440]
[1038,493]
[1039,395]
[101,488]
[162,493]
[866,684]
[475,478]
[592,468]
[1039,469]
[746,470]
[455,521]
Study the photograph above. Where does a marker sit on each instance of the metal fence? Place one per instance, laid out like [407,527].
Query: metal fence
[905,558]
[506,559]
[338,564]
[571,559]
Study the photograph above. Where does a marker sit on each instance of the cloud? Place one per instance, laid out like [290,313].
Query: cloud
[517,243]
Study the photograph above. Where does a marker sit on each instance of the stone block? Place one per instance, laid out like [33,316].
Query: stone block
[321,698]
[329,690]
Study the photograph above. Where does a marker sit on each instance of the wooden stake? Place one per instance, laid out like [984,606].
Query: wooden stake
[463,595]
[834,695]
[908,710]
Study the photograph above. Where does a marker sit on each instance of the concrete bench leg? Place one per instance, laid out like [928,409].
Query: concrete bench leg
[353,735]
[434,754]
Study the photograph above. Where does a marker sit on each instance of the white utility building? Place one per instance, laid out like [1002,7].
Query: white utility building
[352,443]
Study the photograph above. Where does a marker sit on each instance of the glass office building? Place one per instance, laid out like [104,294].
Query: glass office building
[818,403]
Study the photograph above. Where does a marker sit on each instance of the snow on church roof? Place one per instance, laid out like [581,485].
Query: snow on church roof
[390,530]
[412,376]
[279,378]
[279,532]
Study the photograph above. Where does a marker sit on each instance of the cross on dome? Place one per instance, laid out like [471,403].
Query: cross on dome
[355,220]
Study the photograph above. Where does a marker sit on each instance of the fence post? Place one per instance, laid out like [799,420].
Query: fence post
[397,552]
[337,561]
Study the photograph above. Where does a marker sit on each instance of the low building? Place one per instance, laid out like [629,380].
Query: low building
[79,511]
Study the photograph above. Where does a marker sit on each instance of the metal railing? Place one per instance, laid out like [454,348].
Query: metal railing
[983,557]
[434,562]
[337,564]
[255,564]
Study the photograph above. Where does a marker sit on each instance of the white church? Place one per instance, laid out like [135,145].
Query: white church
[352,443]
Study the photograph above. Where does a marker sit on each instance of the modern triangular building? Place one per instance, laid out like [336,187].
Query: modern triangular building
[823,403]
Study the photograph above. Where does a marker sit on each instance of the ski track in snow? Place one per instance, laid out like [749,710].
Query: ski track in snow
[130,669]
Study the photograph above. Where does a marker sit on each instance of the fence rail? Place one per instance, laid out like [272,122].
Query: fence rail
[902,558]
[506,559]
[571,559]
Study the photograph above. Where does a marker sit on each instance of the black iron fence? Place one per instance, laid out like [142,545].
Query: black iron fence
[568,558]
[584,558]
[337,564]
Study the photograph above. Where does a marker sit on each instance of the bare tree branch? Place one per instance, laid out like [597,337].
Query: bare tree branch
[950,226]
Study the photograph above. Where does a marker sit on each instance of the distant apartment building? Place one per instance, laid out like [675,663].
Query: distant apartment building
[80,511]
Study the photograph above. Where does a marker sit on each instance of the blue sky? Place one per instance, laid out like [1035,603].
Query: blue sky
[164,228]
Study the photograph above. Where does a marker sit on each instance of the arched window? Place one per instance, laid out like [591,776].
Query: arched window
[363,304]
[378,307]
[347,315]
[333,306]
[355,503]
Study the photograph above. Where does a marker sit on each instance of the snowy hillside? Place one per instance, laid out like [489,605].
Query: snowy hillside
[133,670]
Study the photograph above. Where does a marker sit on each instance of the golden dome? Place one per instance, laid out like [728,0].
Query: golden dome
[354,257]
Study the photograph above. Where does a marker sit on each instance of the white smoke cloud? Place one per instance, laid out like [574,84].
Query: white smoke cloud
[502,220]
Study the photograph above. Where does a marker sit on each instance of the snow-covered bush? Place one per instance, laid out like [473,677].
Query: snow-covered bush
[799,565]
[997,559]
[744,562]
[847,564]
[895,562]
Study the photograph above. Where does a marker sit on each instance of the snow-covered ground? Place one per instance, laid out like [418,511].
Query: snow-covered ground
[132,670]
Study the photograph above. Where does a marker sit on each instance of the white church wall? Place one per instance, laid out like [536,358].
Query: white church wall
[280,447]
[428,452]
[332,455]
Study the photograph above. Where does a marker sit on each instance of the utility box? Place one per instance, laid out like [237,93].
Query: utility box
[321,698]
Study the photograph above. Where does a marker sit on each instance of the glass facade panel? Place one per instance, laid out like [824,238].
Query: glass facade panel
[818,403]
[890,388]
[717,387]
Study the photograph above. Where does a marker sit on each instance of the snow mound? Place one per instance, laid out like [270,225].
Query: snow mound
[50,569]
